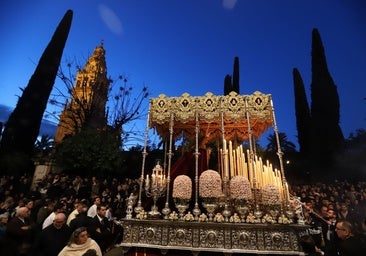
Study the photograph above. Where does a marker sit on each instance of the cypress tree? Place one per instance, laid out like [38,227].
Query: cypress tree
[22,128]
[302,112]
[327,135]
[228,87]
[236,87]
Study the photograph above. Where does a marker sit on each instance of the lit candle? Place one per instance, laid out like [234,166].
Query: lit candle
[147,182]
[226,162]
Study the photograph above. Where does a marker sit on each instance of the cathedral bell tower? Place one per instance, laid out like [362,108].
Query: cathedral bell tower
[88,98]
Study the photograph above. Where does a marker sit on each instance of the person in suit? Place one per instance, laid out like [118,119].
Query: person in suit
[100,229]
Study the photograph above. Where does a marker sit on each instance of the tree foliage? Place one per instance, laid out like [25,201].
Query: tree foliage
[90,151]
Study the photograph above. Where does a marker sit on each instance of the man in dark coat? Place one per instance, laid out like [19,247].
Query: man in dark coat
[100,229]
[350,244]
[18,237]
[53,238]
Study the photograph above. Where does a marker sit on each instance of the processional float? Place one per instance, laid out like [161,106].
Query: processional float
[242,207]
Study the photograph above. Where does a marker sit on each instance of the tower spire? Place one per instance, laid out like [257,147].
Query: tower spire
[88,98]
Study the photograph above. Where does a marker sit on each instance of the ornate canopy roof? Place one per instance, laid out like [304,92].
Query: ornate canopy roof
[210,110]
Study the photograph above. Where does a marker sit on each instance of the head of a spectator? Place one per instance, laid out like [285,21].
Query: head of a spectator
[81,207]
[97,200]
[308,244]
[101,210]
[331,206]
[343,207]
[331,214]
[59,207]
[22,212]
[29,203]
[59,220]
[324,211]
[4,217]
[79,236]
[344,229]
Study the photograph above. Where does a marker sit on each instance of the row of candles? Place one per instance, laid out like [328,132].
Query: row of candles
[238,163]
[158,177]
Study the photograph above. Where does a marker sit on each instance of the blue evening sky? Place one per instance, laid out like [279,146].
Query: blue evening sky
[176,46]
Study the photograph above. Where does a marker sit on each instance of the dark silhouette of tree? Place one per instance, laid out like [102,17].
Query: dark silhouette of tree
[303,117]
[352,158]
[327,136]
[286,145]
[22,128]
[236,87]
[231,83]
[43,148]
[227,85]
[270,152]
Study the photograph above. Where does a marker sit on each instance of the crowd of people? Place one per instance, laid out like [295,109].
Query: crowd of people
[336,214]
[61,214]
[72,215]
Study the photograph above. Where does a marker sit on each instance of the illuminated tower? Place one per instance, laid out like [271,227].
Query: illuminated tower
[88,98]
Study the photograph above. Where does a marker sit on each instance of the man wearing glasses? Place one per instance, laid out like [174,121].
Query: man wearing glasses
[349,243]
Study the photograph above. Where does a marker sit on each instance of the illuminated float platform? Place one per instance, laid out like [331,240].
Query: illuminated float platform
[243,207]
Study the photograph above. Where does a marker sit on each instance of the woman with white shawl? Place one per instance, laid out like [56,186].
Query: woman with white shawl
[79,244]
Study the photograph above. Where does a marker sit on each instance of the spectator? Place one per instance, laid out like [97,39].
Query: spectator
[79,244]
[53,238]
[349,244]
[100,229]
[18,236]
[92,211]
[44,211]
[58,208]
[308,246]
[79,208]
[4,217]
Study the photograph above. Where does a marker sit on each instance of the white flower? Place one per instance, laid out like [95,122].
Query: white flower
[240,188]
[203,218]
[235,218]
[271,195]
[219,217]
[210,184]
[182,187]
[173,216]
[142,215]
[188,217]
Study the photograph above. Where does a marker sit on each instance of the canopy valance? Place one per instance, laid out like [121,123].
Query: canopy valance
[211,112]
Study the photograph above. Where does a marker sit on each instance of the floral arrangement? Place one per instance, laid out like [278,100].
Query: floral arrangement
[142,215]
[271,195]
[284,220]
[182,187]
[268,219]
[252,219]
[235,218]
[203,218]
[210,184]
[188,217]
[219,217]
[240,188]
[173,215]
